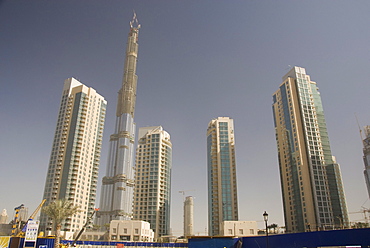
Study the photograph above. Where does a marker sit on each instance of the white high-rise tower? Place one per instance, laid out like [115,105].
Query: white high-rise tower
[188,216]
[75,155]
[153,179]
[3,217]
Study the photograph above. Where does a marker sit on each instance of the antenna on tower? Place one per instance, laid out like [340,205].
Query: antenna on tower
[134,20]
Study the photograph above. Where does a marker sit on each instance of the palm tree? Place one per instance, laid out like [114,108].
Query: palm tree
[273,226]
[58,211]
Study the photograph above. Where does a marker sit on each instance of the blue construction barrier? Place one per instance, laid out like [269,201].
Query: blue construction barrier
[212,242]
[348,237]
[49,243]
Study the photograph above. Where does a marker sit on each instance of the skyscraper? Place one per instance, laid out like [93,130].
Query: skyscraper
[188,216]
[222,186]
[118,184]
[153,179]
[311,182]
[75,155]
[366,157]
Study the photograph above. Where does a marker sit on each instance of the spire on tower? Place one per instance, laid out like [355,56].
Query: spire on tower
[134,21]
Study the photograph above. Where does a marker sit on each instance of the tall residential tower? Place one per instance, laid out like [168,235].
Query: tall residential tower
[188,216]
[366,157]
[221,168]
[153,179]
[118,184]
[311,182]
[75,155]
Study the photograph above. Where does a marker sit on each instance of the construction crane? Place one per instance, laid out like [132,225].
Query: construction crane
[183,192]
[363,211]
[32,216]
[16,223]
[84,227]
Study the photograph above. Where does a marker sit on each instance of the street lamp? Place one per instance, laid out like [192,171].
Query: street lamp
[266,218]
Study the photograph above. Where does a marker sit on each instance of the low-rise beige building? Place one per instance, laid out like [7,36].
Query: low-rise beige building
[130,230]
[238,228]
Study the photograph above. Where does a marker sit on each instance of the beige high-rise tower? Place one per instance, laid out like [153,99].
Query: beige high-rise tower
[75,155]
[311,182]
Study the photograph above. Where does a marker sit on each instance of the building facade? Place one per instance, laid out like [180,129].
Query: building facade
[153,179]
[130,230]
[366,157]
[188,216]
[3,217]
[239,228]
[75,155]
[311,182]
[116,200]
[221,169]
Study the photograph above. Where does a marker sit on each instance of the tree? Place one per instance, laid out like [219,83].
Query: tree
[360,225]
[58,211]
[272,226]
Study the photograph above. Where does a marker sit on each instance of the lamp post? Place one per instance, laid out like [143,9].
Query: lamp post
[266,218]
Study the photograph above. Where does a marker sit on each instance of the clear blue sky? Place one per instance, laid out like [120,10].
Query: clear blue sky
[197,60]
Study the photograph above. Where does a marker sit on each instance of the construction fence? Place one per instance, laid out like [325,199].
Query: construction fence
[17,242]
[335,238]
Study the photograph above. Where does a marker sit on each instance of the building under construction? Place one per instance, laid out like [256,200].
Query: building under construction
[366,150]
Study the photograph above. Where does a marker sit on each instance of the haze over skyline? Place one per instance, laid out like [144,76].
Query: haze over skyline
[198,60]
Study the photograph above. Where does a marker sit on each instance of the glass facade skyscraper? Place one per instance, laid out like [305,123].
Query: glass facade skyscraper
[311,182]
[221,168]
[153,179]
[75,155]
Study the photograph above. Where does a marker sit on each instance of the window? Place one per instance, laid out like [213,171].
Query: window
[241,231]
[230,231]
[136,231]
[251,231]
